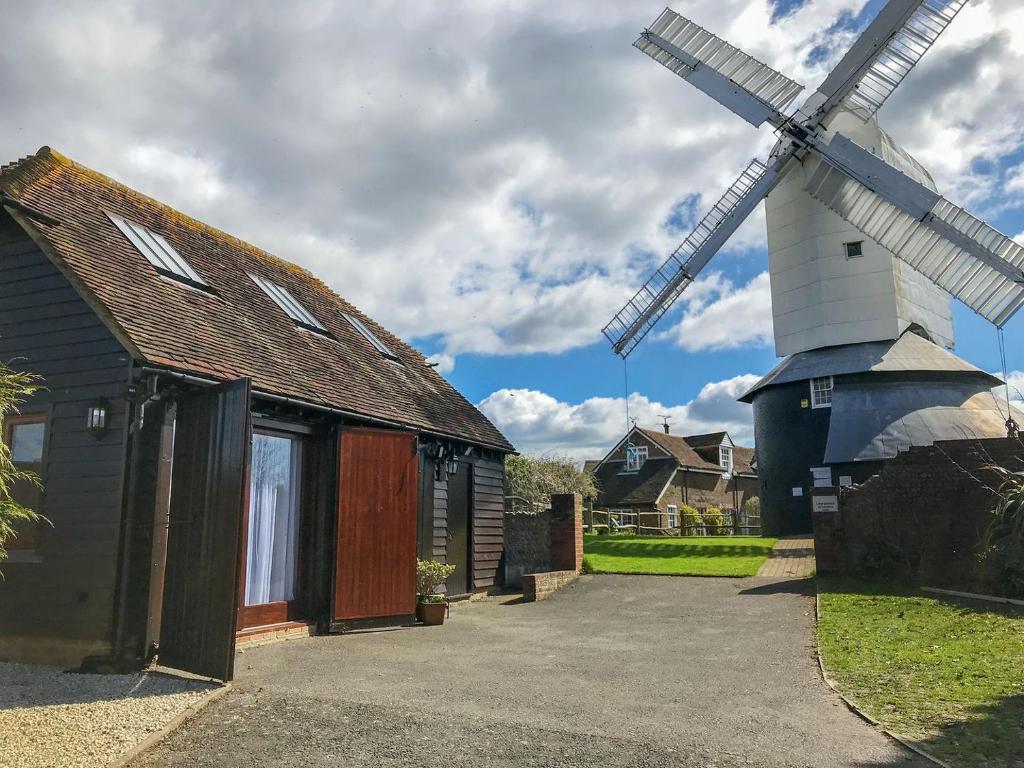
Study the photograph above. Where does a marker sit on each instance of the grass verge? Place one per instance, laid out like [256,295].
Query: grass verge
[948,676]
[676,556]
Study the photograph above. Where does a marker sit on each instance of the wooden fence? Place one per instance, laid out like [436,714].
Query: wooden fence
[725,522]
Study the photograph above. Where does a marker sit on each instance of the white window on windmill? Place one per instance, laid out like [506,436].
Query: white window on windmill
[821,392]
[854,249]
[725,458]
[636,455]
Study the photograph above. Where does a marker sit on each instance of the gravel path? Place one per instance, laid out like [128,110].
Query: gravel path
[613,672]
[50,718]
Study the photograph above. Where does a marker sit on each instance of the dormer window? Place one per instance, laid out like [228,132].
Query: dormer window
[725,458]
[636,455]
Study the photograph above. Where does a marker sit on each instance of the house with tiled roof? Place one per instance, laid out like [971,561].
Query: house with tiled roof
[227,446]
[651,474]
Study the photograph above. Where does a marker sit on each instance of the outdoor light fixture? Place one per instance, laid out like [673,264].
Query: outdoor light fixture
[96,418]
[452,464]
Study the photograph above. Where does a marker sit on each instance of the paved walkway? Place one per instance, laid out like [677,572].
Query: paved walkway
[614,671]
[791,558]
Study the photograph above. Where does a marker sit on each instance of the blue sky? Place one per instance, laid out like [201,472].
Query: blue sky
[492,179]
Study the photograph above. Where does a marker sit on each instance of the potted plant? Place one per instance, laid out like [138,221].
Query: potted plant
[430,606]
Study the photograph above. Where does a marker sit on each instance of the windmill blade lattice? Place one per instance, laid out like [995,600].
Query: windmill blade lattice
[691,47]
[869,74]
[656,296]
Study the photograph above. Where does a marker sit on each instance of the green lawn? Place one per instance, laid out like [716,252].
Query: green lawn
[676,556]
[947,675]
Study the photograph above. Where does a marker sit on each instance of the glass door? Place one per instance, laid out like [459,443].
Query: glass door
[273,530]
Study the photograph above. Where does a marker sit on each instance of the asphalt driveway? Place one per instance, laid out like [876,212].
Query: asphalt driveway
[615,671]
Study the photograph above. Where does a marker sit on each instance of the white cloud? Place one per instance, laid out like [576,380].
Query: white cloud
[721,315]
[536,422]
[444,364]
[494,174]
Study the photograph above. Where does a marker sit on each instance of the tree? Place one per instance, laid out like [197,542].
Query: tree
[15,386]
[533,479]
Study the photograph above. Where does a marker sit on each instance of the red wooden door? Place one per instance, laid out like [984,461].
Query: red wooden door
[375,557]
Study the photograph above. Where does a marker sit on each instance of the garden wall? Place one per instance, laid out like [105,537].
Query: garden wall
[551,540]
[921,518]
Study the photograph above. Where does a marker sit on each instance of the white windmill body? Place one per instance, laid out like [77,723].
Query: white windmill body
[821,296]
[864,255]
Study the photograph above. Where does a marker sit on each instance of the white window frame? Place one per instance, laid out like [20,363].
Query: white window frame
[672,512]
[288,303]
[370,336]
[817,399]
[636,457]
[725,458]
[158,252]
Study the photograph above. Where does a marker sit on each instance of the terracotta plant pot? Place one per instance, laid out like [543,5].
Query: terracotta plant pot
[431,614]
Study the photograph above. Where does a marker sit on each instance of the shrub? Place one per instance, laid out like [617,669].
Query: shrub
[429,576]
[14,388]
[714,520]
[692,522]
[1002,550]
[752,506]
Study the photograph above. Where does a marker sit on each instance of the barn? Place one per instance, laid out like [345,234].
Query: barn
[226,445]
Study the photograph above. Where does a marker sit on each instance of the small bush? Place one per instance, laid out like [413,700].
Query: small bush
[1002,549]
[714,520]
[429,576]
[752,506]
[692,522]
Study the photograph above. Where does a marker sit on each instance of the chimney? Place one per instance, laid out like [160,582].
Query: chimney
[664,425]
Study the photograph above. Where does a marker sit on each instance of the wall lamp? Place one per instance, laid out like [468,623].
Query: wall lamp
[96,418]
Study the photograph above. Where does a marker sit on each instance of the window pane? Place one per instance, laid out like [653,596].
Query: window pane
[272,553]
[27,442]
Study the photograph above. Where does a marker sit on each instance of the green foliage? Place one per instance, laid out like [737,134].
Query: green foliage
[535,478]
[14,388]
[429,576]
[692,521]
[714,520]
[433,598]
[1002,549]
[752,506]
[676,555]
[947,675]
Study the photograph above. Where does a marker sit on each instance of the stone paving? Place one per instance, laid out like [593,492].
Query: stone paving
[791,558]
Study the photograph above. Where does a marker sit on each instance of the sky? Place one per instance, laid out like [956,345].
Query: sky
[492,180]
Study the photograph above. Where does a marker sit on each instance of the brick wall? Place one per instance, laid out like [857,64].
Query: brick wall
[547,541]
[539,586]
[920,518]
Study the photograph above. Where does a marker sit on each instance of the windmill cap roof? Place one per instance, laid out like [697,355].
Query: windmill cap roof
[909,353]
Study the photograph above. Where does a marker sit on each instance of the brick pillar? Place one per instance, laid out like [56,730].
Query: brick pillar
[567,532]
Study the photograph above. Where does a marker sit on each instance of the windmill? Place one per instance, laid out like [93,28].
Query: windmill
[864,254]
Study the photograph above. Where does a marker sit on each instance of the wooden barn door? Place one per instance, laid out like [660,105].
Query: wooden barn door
[375,557]
[457,551]
[204,537]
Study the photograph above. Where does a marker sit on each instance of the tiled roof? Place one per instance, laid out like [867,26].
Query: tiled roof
[710,440]
[236,331]
[679,448]
[741,459]
[618,488]
[590,465]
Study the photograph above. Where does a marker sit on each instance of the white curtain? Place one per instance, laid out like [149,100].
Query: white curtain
[272,555]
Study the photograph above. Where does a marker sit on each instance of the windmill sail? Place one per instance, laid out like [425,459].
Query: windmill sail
[657,295]
[975,263]
[885,53]
[748,87]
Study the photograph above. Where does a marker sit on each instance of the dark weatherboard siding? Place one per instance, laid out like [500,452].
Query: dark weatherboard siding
[61,605]
[486,524]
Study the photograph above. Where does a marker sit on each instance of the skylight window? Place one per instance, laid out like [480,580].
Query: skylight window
[381,347]
[288,303]
[158,252]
